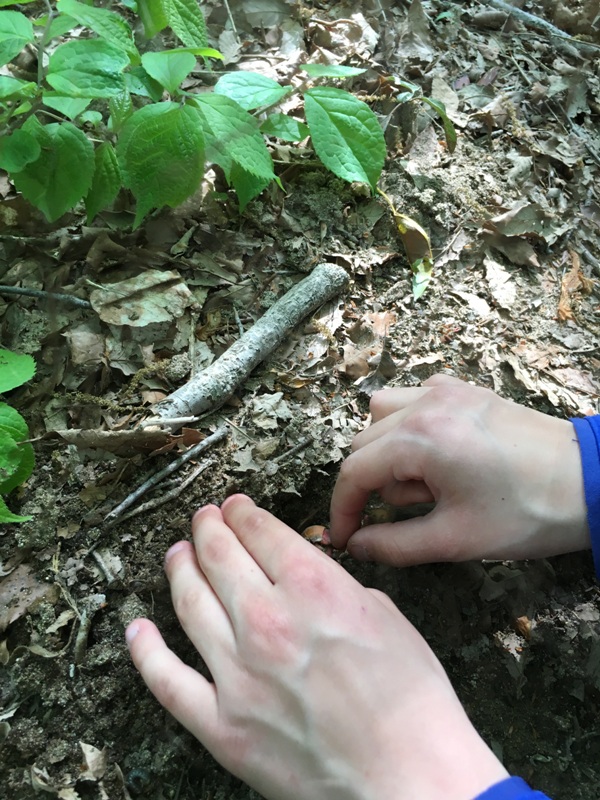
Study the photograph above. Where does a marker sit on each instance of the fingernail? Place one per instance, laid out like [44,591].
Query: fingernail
[325,537]
[359,552]
[131,632]
[174,549]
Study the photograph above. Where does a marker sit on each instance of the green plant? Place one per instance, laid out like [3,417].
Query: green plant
[16,455]
[122,118]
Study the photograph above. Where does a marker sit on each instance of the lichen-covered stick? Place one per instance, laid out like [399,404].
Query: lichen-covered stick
[211,388]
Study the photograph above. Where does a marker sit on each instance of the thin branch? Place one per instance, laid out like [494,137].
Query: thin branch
[194,451]
[40,294]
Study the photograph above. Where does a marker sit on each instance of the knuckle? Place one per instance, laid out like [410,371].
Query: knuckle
[188,604]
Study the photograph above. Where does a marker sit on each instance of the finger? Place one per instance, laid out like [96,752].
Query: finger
[407,493]
[390,459]
[440,379]
[228,566]
[402,544]
[381,428]
[267,539]
[199,610]
[387,401]
[180,689]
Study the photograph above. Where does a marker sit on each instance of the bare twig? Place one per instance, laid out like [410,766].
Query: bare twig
[539,24]
[40,294]
[211,387]
[194,451]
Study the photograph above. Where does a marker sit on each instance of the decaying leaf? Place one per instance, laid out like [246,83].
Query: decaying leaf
[20,592]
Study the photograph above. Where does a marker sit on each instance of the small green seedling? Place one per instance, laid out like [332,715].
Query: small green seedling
[16,454]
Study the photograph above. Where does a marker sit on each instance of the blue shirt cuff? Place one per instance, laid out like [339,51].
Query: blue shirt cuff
[511,789]
[588,436]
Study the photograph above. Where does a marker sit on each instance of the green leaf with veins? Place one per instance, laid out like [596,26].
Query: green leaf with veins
[251,90]
[15,32]
[161,155]
[169,67]
[9,87]
[284,127]
[70,107]
[108,25]
[87,68]
[186,20]
[62,174]
[449,129]
[15,370]
[345,134]
[18,150]
[232,136]
[106,183]
[152,14]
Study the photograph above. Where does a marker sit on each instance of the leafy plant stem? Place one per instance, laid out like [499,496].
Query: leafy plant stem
[42,42]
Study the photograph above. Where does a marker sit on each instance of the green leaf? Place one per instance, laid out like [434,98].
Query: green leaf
[22,472]
[106,183]
[15,32]
[87,68]
[246,185]
[161,155]
[18,150]
[169,67]
[62,174]
[205,52]
[345,134]
[251,90]
[232,136]
[108,25]
[15,370]
[152,14]
[10,456]
[8,516]
[12,423]
[331,71]
[91,117]
[139,82]
[120,108]
[9,87]
[59,26]
[186,20]
[15,2]
[70,107]
[284,127]
[421,279]
[449,129]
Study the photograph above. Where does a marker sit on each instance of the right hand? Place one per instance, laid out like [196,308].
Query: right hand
[506,480]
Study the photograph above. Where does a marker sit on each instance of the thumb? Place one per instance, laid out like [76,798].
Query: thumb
[402,544]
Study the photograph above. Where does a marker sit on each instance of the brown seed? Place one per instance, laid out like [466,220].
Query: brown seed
[314,533]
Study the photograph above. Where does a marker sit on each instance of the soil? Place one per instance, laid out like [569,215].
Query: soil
[520,641]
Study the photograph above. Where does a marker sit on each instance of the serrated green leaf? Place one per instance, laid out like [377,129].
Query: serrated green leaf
[106,183]
[70,107]
[169,67]
[331,71]
[11,87]
[12,423]
[232,136]
[449,129]
[15,32]
[22,472]
[246,185]
[152,14]
[139,82]
[284,127]
[18,150]
[15,370]
[120,108]
[161,155]
[186,20]
[108,25]
[251,90]
[62,174]
[345,134]
[7,516]
[87,68]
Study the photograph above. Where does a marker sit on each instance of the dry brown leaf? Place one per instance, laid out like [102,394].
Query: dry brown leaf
[20,592]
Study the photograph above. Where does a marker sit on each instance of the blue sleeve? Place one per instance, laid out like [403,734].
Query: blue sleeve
[588,436]
[511,789]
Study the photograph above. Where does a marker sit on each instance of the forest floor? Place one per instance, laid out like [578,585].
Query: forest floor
[514,219]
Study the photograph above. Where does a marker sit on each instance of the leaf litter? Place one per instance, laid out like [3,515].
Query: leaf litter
[513,220]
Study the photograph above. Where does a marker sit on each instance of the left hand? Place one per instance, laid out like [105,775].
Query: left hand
[321,687]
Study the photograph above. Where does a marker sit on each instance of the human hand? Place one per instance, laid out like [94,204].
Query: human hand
[321,687]
[507,480]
